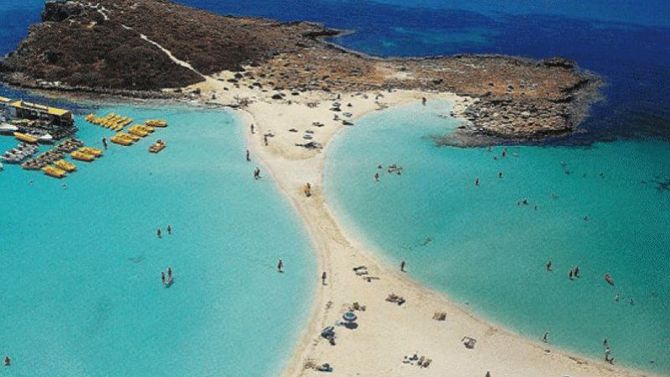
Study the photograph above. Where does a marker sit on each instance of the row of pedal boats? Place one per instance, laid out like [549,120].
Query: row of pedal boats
[10,129]
[52,162]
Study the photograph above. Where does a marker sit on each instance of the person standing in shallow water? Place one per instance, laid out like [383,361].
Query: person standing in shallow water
[548,266]
[545,337]
[248,157]
[169,229]
[158,233]
[104,142]
[402,266]
[8,361]
[280,266]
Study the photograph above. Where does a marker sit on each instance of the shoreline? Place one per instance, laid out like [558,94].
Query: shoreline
[337,251]
[289,167]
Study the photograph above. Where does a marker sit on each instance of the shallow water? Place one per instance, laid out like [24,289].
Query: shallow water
[81,291]
[488,253]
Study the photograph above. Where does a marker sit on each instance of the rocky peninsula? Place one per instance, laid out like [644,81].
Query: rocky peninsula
[294,93]
[150,48]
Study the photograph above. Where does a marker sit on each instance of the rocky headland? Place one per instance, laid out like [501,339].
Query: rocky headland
[145,48]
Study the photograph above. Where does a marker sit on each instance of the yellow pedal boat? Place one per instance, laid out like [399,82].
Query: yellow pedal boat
[81,156]
[54,171]
[65,165]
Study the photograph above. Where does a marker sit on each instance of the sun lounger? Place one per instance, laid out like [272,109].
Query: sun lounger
[469,342]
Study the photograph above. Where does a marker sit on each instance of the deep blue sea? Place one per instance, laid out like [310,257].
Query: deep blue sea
[626,138]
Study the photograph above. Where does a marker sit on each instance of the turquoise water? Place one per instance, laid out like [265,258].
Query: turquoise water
[488,253]
[81,292]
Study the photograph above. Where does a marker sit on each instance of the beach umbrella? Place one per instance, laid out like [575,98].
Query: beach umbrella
[349,316]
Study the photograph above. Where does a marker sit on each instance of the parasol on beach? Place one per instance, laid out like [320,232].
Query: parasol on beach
[349,317]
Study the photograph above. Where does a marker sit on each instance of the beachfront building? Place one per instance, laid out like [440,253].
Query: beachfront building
[27,110]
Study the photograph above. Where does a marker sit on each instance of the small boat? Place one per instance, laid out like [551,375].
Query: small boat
[156,123]
[25,137]
[158,146]
[45,139]
[65,165]
[121,140]
[81,156]
[609,279]
[92,151]
[128,136]
[8,129]
[137,131]
[54,171]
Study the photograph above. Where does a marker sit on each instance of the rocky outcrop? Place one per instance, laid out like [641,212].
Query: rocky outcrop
[131,46]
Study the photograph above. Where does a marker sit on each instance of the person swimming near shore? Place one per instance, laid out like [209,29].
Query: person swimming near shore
[280,266]
[7,361]
[548,266]
[248,156]
[504,152]
[158,233]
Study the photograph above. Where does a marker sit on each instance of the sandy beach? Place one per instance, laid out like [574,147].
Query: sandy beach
[387,332]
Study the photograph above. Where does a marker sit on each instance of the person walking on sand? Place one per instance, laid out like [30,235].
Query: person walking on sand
[323,278]
[169,229]
[280,266]
[253,130]
[265,140]
[402,266]
[545,337]
[158,233]
[248,157]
